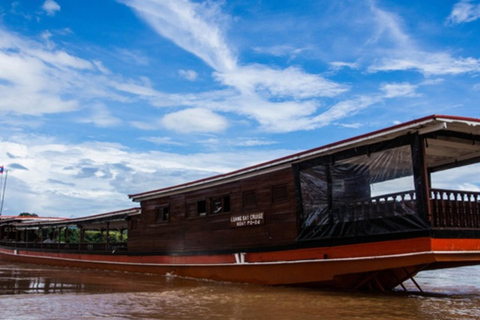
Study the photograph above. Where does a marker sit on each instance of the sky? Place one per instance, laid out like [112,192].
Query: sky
[101,99]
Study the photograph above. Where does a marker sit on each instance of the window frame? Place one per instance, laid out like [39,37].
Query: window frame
[225,204]
[162,214]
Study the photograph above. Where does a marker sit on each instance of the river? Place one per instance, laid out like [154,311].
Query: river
[40,292]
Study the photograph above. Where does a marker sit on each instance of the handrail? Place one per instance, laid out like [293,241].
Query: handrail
[111,247]
[397,196]
[455,209]
[378,207]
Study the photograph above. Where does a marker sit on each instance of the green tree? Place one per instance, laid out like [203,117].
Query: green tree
[27,214]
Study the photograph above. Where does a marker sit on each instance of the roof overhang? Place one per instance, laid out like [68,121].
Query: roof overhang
[114,219]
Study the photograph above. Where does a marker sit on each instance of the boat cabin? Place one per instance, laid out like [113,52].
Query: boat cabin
[378,186]
[107,232]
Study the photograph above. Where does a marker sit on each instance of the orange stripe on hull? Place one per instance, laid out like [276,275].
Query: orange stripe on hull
[455,244]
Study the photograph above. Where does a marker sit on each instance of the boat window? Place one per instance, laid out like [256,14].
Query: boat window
[197,209]
[221,204]
[202,208]
[249,199]
[162,214]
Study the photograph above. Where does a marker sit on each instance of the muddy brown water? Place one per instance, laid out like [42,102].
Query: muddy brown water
[40,292]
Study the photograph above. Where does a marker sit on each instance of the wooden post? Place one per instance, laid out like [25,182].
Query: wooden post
[66,234]
[81,237]
[59,231]
[108,236]
[420,175]
[41,238]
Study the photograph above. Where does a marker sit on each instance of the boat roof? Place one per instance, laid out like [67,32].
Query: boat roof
[97,220]
[422,126]
[29,218]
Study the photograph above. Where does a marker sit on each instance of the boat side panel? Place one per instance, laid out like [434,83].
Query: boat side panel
[215,231]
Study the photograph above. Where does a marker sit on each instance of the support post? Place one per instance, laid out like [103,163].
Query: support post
[413,280]
[81,237]
[420,174]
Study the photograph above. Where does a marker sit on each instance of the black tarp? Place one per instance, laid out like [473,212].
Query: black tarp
[361,195]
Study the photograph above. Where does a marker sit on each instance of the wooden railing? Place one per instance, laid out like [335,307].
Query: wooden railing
[110,247]
[378,207]
[455,209]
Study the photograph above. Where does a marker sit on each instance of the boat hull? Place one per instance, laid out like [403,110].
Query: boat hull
[389,263]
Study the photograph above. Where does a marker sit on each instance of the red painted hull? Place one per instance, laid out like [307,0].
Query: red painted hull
[385,264]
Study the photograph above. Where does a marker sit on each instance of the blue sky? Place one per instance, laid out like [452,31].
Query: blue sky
[101,99]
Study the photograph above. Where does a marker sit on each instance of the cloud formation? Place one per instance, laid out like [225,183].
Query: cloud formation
[194,120]
[48,175]
[393,90]
[50,7]
[463,12]
[198,29]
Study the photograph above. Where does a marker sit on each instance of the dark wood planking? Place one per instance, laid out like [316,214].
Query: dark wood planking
[214,231]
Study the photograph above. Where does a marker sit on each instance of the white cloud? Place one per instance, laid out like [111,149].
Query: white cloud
[251,142]
[162,141]
[394,90]
[388,28]
[195,27]
[46,35]
[281,83]
[429,64]
[405,55]
[190,75]
[464,11]
[339,65]
[344,108]
[460,178]
[280,100]
[194,120]
[432,81]
[96,177]
[50,7]
[133,56]
[281,50]
[99,65]
[36,79]
[144,125]
[351,125]
[101,116]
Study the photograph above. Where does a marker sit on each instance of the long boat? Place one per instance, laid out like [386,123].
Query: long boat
[369,212]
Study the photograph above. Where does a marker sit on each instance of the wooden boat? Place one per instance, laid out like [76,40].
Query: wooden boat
[360,213]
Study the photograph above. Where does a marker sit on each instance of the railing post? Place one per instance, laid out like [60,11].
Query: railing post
[441,197]
[475,211]
[468,210]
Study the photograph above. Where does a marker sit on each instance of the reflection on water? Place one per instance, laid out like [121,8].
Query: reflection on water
[39,292]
